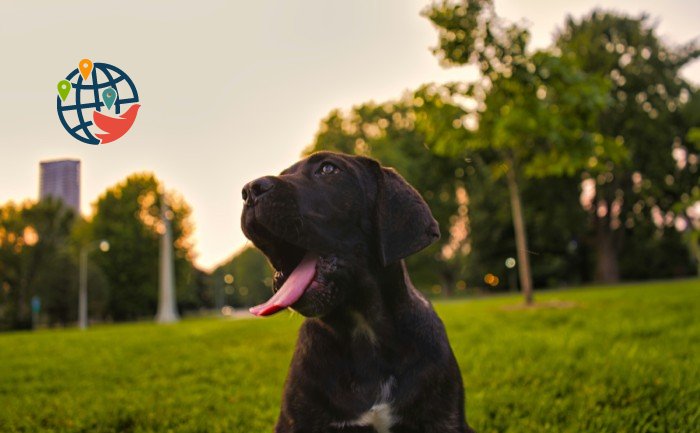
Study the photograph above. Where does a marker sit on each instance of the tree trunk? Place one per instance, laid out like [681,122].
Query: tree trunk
[520,235]
[448,282]
[694,246]
[607,270]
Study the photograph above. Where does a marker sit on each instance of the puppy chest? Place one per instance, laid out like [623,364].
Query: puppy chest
[380,415]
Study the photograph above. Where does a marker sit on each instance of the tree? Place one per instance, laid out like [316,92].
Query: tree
[36,260]
[532,113]
[399,134]
[51,272]
[687,222]
[128,216]
[647,97]
[687,210]
[244,280]
[15,296]
[550,209]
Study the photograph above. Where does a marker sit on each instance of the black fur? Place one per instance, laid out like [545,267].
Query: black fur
[369,333]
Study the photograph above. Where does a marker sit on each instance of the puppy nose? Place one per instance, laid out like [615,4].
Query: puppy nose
[256,189]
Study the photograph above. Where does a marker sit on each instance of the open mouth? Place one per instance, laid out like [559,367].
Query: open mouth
[293,287]
[296,271]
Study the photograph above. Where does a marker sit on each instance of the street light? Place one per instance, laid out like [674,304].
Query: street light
[103,245]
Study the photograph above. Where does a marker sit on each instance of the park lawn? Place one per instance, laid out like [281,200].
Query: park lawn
[602,359]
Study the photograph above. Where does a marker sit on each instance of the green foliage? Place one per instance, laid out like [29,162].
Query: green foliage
[40,243]
[536,111]
[688,214]
[651,111]
[532,114]
[553,214]
[243,281]
[606,103]
[128,216]
[688,207]
[398,134]
[615,359]
[15,299]
[470,32]
[35,260]
[52,270]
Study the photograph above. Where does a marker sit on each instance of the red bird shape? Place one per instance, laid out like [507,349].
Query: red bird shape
[115,127]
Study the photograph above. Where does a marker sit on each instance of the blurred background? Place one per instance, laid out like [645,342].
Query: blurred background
[556,145]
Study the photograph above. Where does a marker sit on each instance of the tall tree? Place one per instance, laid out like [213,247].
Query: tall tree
[687,209]
[532,113]
[36,260]
[14,310]
[51,272]
[399,134]
[128,216]
[647,96]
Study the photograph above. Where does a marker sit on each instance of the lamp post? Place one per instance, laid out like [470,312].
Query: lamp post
[167,308]
[82,297]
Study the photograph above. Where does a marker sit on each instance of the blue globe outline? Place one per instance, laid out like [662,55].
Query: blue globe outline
[78,86]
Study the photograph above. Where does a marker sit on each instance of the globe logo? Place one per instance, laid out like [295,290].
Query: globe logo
[97,103]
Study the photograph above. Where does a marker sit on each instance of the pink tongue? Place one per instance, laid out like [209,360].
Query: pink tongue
[292,289]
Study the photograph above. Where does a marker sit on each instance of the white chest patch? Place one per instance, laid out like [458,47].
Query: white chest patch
[378,416]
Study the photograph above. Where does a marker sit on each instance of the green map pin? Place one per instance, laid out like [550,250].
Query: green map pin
[109,95]
[64,87]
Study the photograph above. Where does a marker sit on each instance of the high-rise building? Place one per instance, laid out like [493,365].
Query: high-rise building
[61,179]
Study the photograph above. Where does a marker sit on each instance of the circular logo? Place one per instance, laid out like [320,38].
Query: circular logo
[97,103]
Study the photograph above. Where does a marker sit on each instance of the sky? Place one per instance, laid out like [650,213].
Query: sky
[231,90]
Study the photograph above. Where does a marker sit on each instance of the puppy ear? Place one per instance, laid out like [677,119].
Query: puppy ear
[404,222]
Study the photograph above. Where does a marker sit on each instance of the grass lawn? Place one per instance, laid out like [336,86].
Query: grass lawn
[617,359]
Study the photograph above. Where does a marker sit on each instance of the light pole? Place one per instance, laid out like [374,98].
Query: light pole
[167,307]
[82,297]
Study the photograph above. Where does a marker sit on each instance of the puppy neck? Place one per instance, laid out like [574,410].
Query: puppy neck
[396,285]
[369,316]
[362,328]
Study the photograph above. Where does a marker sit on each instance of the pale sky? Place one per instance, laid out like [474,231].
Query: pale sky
[230,90]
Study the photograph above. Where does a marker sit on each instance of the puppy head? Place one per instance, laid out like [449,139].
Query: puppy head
[325,220]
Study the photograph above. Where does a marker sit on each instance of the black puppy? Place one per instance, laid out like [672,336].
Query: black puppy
[372,355]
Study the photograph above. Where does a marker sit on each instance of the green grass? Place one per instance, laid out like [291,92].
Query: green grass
[622,359]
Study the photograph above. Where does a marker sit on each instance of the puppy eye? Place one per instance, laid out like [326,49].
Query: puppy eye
[327,168]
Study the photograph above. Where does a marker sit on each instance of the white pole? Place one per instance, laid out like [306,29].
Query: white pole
[83,280]
[82,297]
[167,311]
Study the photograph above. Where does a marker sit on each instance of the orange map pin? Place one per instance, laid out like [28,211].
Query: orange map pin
[85,67]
